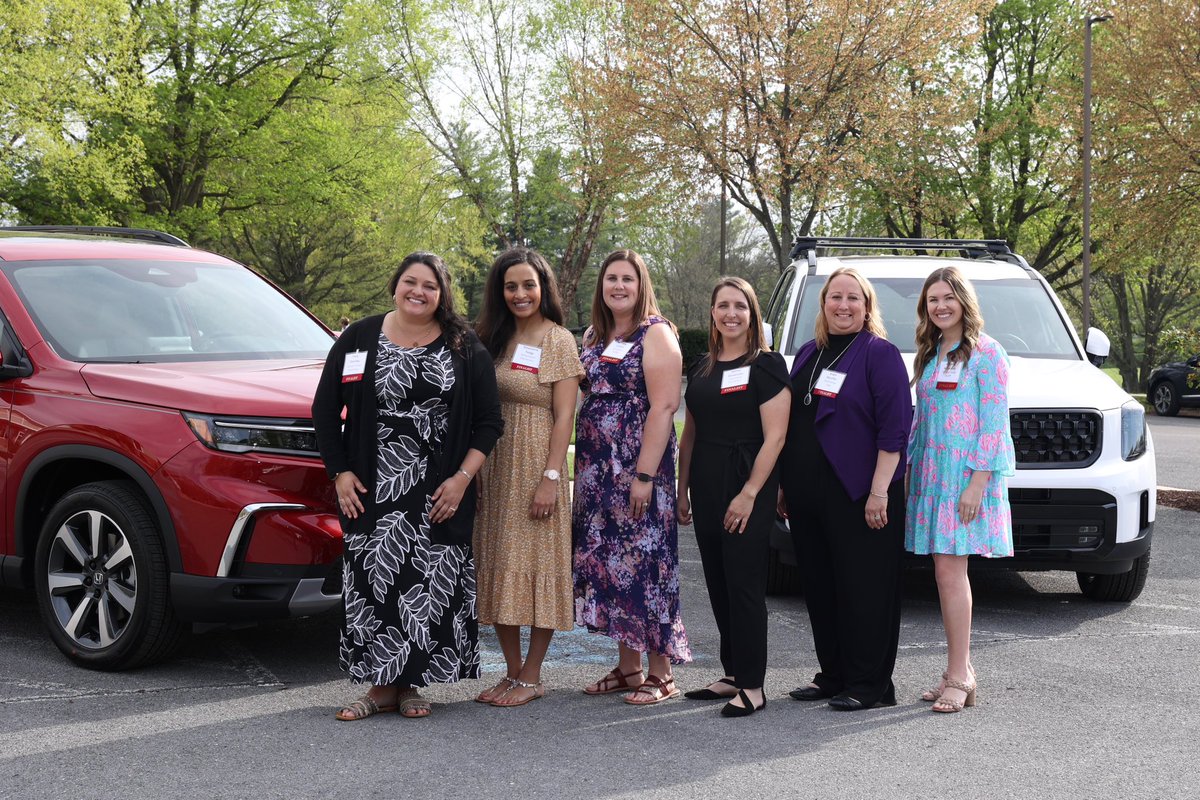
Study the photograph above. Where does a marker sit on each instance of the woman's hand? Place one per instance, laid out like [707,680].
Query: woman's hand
[639,497]
[737,516]
[348,488]
[876,511]
[781,505]
[544,498]
[447,497]
[969,503]
[683,508]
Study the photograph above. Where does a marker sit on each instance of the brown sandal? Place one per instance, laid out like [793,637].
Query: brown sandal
[654,688]
[362,708]
[614,681]
[539,691]
[413,706]
[488,696]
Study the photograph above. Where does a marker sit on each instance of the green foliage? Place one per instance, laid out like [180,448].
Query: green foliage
[694,344]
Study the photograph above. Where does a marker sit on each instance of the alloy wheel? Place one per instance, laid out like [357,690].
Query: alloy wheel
[92,579]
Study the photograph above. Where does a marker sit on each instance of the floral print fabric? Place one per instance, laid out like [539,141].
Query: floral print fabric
[626,569]
[410,603]
[955,433]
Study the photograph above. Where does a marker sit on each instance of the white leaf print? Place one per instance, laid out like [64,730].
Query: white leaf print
[444,567]
[443,667]
[439,370]
[400,466]
[396,369]
[467,647]
[414,616]
[390,653]
[386,551]
[361,623]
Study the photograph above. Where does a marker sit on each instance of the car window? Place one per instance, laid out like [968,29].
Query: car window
[1017,312]
[159,311]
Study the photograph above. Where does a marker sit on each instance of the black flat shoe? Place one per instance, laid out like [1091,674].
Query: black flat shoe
[730,710]
[708,694]
[844,702]
[809,693]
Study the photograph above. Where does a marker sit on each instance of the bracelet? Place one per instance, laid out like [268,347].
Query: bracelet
[880,496]
[337,475]
[464,472]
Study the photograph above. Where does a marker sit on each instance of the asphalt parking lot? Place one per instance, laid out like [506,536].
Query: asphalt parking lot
[1078,699]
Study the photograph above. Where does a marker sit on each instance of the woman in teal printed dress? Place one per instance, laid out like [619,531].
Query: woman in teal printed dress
[960,455]
[625,534]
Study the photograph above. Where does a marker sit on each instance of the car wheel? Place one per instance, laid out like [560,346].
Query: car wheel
[1165,399]
[1121,588]
[101,578]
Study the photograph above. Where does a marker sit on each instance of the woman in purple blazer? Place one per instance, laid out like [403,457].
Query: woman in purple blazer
[842,489]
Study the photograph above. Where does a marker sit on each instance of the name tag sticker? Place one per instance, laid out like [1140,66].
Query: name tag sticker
[735,380]
[830,383]
[948,375]
[616,351]
[353,366]
[527,358]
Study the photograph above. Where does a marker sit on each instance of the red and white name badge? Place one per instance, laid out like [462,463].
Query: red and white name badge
[527,358]
[735,380]
[830,383]
[948,375]
[353,366]
[616,351]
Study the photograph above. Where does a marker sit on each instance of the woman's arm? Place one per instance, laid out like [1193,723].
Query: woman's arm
[774,414]
[683,509]
[562,408]
[662,365]
[877,501]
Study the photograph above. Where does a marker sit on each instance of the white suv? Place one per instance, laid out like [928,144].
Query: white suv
[1083,497]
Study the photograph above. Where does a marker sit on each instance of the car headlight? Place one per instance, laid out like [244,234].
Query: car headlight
[293,437]
[1133,430]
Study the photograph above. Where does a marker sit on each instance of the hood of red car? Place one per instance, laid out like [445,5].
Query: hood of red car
[273,388]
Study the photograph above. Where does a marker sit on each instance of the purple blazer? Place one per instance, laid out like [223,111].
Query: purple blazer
[872,412]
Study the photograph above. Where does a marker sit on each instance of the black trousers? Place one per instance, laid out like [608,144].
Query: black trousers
[735,572]
[851,579]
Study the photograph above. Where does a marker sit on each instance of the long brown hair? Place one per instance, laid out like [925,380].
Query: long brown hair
[873,322]
[929,336]
[496,324]
[756,340]
[453,326]
[645,305]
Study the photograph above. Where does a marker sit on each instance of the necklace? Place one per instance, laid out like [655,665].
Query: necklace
[812,379]
[416,340]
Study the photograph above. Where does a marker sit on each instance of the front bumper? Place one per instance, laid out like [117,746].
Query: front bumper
[273,593]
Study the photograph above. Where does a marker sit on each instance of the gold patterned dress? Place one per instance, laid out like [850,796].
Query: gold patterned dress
[523,565]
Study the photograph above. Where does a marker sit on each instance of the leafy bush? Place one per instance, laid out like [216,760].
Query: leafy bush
[694,343]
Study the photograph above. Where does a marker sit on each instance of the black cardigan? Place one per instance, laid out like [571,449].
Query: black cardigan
[474,422]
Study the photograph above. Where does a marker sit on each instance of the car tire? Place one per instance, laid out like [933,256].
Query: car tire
[781,578]
[101,579]
[1165,399]
[1121,588]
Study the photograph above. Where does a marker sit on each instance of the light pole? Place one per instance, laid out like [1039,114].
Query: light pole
[1087,169]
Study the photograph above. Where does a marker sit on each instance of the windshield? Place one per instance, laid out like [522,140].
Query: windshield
[1017,312]
[162,311]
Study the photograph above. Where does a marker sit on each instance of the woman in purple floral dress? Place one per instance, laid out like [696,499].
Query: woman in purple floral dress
[626,555]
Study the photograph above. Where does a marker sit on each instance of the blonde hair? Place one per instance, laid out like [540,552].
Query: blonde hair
[872,323]
[644,307]
[756,341]
[929,335]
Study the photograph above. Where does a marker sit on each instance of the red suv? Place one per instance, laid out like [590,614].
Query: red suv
[157,460]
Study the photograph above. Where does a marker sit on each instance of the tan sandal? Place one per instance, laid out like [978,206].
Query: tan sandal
[614,681]
[487,696]
[930,695]
[655,690]
[538,691]
[413,706]
[362,708]
[945,705]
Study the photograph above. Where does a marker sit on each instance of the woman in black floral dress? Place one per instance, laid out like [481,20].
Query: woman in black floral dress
[421,415]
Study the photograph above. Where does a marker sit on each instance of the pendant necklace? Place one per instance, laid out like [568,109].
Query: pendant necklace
[812,379]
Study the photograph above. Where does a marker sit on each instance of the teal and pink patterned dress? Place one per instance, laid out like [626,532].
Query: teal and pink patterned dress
[957,432]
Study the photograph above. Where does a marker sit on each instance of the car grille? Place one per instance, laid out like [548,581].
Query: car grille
[1058,439]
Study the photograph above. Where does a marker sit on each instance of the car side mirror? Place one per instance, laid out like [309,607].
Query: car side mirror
[768,335]
[1097,346]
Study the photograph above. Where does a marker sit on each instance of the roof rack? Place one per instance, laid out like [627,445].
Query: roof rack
[970,248]
[100,230]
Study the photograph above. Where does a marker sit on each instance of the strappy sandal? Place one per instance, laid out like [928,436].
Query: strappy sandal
[494,692]
[944,705]
[708,694]
[413,706]
[614,681]
[656,689]
[362,708]
[930,695]
[538,691]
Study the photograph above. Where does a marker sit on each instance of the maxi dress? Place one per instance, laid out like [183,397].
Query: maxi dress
[626,569]
[955,433]
[523,565]
[410,603]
